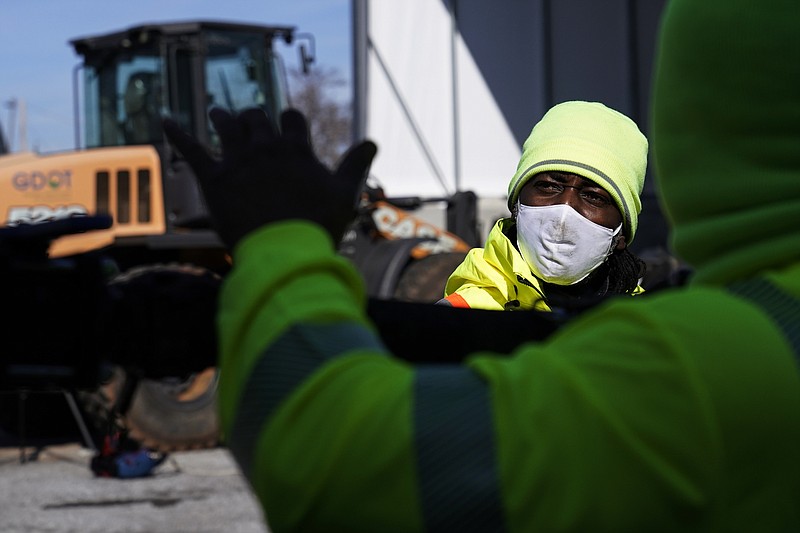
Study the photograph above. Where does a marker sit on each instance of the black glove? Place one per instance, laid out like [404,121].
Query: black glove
[265,176]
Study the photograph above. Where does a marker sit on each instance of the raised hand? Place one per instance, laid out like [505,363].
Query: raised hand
[266,176]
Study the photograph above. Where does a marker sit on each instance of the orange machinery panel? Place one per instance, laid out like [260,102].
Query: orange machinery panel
[123,182]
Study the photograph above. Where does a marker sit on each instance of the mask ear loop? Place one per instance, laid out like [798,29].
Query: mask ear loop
[614,240]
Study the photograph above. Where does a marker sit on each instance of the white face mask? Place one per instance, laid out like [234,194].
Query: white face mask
[560,245]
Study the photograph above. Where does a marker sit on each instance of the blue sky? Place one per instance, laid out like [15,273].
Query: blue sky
[36,60]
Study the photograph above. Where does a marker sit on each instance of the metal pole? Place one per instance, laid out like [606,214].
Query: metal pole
[360,81]
[76,413]
[451,4]
[76,106]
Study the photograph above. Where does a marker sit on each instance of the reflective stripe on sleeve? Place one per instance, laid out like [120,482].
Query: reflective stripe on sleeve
[455,446]
[283,366]
[456,300]
[781,307]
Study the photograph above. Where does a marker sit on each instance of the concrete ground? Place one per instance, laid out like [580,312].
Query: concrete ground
[52,489]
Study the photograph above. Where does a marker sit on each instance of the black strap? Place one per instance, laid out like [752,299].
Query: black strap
[430,333]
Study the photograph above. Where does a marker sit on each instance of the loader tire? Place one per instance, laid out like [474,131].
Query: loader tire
[423,280]
[170,413]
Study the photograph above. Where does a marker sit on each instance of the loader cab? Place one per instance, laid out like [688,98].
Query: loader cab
[133,78]
[129,80]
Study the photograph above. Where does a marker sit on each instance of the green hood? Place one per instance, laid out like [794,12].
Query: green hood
[726,134]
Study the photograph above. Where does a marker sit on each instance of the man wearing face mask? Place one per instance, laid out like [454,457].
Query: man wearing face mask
[575,205]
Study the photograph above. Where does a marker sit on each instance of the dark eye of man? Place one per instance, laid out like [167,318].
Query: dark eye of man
[553,185]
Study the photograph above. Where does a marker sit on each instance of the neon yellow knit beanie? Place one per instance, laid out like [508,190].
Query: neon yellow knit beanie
[593,141]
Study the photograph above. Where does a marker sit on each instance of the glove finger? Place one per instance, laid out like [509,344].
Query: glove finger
[194,153]
[257,126]
[354,168]
[295,128]
[229,131]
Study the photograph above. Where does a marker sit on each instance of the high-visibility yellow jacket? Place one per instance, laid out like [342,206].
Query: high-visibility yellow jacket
[496,277]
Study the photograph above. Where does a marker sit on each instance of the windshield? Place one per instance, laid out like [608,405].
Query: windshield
[126,93]
[240,73]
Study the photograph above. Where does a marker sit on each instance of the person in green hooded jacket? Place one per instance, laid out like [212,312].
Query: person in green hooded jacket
[575,203]
[675,412]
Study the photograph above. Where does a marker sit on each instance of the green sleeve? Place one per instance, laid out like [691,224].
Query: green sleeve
[631,418]
[334,433]
[314,411]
